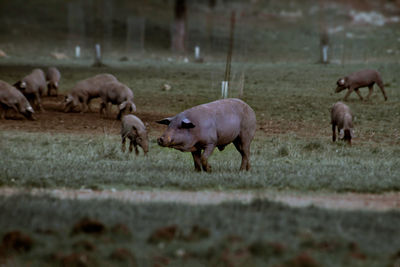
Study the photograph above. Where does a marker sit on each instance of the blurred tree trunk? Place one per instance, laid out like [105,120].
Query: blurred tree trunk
[323,34]
[179,27]
[210,22]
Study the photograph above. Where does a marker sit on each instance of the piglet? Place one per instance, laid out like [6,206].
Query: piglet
[342,117]
[360,79]
[134,129]
[53,77]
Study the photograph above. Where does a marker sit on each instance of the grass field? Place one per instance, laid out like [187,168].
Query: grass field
[284,162]
[292,148]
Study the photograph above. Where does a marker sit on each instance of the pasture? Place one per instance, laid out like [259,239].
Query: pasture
[292,148]
[292,152]
[70,197]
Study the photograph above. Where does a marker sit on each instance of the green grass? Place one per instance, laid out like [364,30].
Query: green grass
[257,234]
[292,148]
[286,162]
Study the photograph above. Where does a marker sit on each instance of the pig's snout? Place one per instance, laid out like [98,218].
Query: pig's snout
[164,141]
[160,141]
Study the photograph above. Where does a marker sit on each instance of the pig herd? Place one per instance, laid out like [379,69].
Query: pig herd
[198,130]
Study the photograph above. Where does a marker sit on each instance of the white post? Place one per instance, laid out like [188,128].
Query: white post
[98,52]
[197,52]
[224,89]
[77,51]
[325,53]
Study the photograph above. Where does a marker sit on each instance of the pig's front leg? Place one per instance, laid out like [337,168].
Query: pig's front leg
[333,132]
[349,91]
[359,94]
[123,144]
[197,160]
[207,152]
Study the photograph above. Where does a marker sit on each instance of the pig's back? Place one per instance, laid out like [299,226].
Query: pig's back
[53,74]
[92,84]
[131,120]
[10,94]
[364,77]
[338,111]
[224,119]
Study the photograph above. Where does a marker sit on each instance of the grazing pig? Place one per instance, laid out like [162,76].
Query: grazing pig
[116,93]
[53,77]
[342,117]
[133,128]
[11,98]
[33,87]
[211,125]
[360,79]
[86,90]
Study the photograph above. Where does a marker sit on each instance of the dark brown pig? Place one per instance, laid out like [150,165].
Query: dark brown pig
[84,91]
[211,125]
[133,128]
[119,94]
[342,117]
[11,98]
[33,87]
[53,77]
[360,79]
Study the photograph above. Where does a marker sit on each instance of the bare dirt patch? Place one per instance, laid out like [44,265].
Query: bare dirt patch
[54,120]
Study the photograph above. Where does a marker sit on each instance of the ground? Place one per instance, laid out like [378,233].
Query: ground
[54,120]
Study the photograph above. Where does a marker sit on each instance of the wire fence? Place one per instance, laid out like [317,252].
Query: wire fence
[266,31]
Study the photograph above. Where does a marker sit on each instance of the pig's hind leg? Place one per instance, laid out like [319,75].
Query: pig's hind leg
[381,86]
[244,150]
[370,88]
[333,132]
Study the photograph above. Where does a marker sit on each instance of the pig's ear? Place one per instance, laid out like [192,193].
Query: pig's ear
[20,84]
[187,124]
[133,107]
[68,99]
[122,105]
[165,121]
[30,109]
[340,82]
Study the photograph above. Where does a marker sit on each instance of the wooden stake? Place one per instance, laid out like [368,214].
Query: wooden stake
[230,51]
